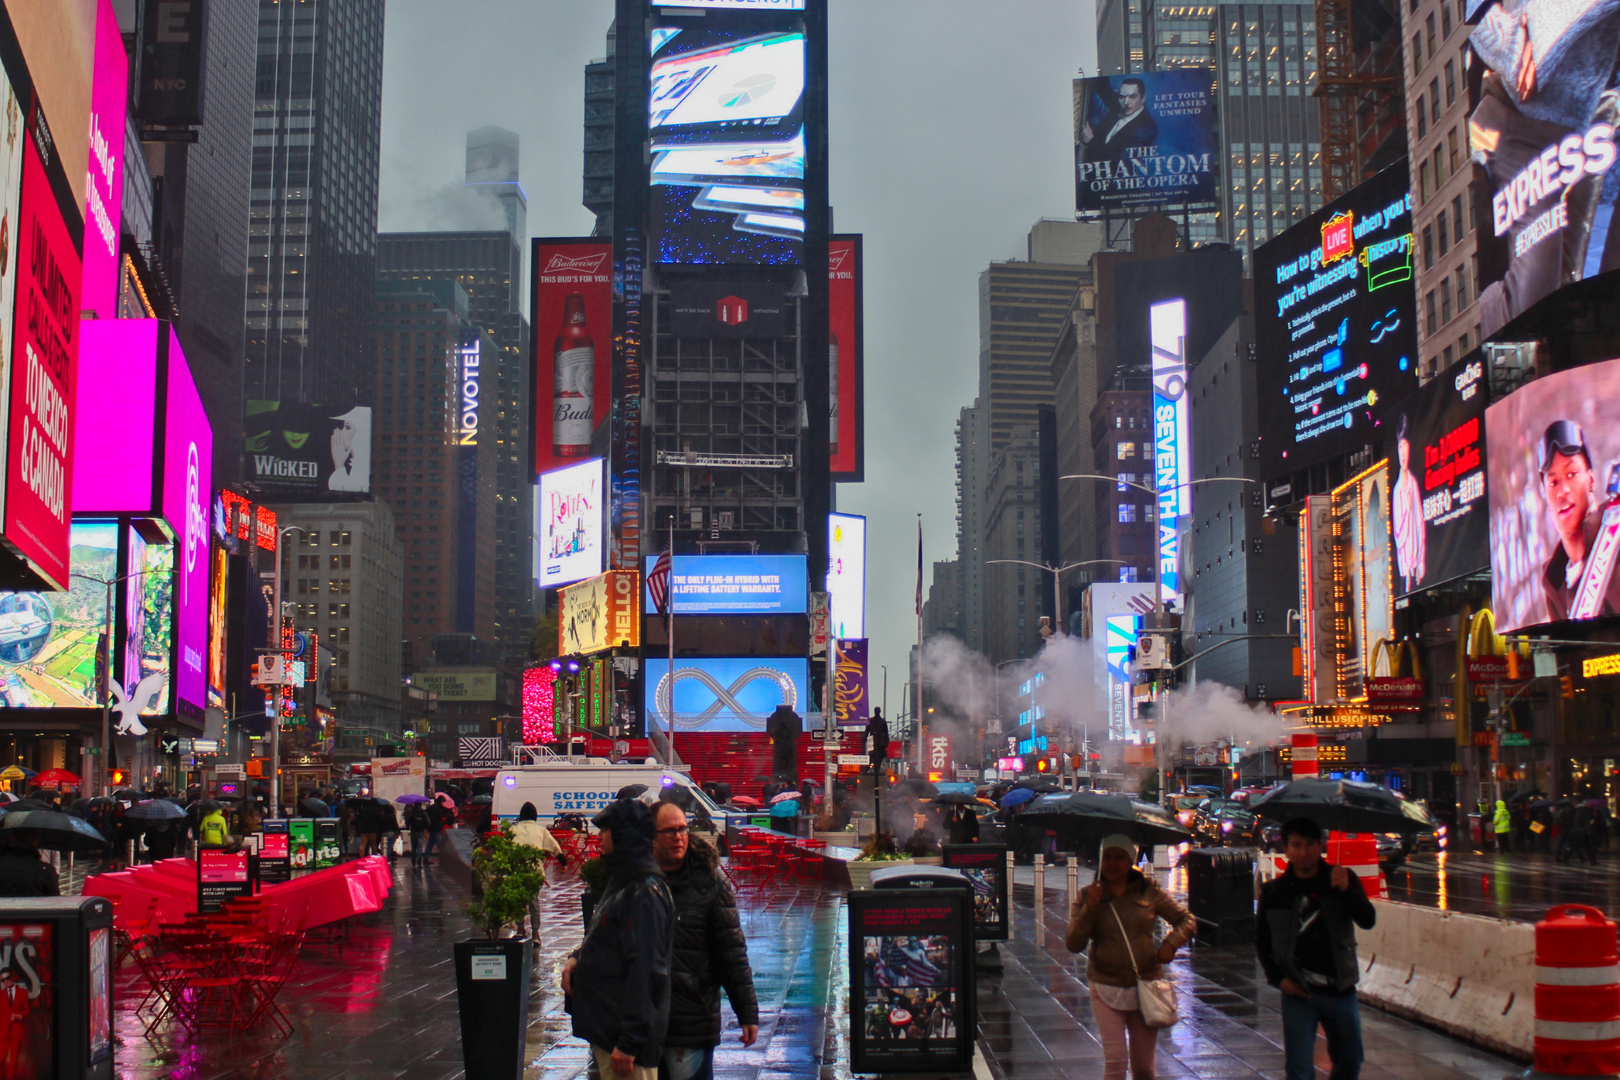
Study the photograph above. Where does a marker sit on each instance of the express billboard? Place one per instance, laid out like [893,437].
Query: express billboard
[1543,131]
[1335,316]
[725,116]
[295,449]
[846,428]
[1438,513]
[735,584]
[569,524]
[846,575]
[1553,485]
[730,694]
[572,309]
[1145,140]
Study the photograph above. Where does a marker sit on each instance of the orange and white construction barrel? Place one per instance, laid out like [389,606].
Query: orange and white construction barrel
[1577,993]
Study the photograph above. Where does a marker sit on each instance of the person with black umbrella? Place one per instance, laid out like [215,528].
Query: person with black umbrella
[1306,941]
[22,871]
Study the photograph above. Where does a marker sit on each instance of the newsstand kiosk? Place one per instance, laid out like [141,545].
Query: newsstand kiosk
[56,971]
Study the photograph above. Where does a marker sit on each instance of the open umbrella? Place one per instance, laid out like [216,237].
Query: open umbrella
[958,798]
[629,791]
[744,800]
[54,831]
[1091,814]
[1041,785]
[485,800]
[411,798]
[1018,796]
[16,772]
[915,785]
[1344,805]
[57,778]
[156,810]
[785,796]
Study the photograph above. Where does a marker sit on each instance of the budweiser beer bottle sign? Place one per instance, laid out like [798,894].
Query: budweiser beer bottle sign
[832,386]
[573,383]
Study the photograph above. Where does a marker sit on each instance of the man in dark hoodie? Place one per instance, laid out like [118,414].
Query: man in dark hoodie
[1307,946]
[620,999]
[710,952]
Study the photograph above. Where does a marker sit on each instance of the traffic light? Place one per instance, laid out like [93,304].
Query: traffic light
[1566,684]
[1513,665]
[117,777]
[1043,764]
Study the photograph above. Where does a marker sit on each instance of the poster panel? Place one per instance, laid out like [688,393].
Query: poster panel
[1553,486]
[222,876]
[30,984]
[1146,139]
[104,186]
[910,990]
[572,311]
[569,522]
[295,449]
[846,371]
[846,575]
[852,695]
[188,476]
[985,866]
[599,614]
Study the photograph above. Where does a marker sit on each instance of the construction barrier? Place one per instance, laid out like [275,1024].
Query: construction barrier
[1470,976]
[1577,993]
[1352,851]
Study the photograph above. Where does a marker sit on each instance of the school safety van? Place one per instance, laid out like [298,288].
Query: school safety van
[586,787]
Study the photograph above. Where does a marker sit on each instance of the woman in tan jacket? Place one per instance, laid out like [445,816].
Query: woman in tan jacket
[1138,902]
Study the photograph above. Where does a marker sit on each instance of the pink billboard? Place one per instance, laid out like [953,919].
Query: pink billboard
[104,184]
[188,455]
[44,365]
[117,408]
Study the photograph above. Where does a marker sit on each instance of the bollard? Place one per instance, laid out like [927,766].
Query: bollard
[1040,899]
[1011,893]
[1577,993]
[1074,880]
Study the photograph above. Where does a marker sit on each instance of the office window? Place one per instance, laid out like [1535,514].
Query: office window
[1439,166]
[1417,53]
[1444,232]
[1457,226]
[1127,513]
[1445,358]
[1434,97]
[1423,181]
[467,727]
[1451,80]
[1422,118]
[1445,301]
[1126,451]
[1445,21]
[1451,150]
[1434,320]
[1428,247]
[1429,27]
[1462,288]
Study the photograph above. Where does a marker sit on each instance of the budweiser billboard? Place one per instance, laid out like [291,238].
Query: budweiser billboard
[572,311]
[846,428]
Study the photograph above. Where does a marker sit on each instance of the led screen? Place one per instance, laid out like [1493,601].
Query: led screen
[735,585]
[846,426]
[117,406]
[736,5]
[1553,474]
[49,641]
[219,567]
[572,307]
[1366,533]
[846,575]
[188,457]
[568,524]
[1172,449]
[1145,140]
[104,186]
[1542,137]
[1335,332]
[148,624]
[1438,509]
[726,118]
[736,694]
[297,449]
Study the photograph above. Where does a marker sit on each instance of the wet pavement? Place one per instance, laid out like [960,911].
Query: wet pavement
[1518,886]
[381,1002]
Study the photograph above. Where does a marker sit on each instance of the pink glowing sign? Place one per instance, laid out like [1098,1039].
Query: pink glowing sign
[188,456]
[104,186]
[117,408]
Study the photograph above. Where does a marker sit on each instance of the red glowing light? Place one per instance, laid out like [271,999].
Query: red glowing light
[538,704]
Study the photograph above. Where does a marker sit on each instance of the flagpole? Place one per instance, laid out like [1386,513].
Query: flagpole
[917,700]
[669,750]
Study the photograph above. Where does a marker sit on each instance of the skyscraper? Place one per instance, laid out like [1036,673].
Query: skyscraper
[489,266]
[311,266]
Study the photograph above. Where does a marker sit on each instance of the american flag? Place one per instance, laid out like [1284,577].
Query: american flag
[906,965]
[658,582]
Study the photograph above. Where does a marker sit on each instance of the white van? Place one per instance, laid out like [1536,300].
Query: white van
[586,787]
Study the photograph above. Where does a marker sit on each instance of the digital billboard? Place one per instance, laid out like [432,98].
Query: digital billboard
[12,114]
[1438,514]
[600,614]
[188,464]
[572,309]
[732,694]
[568,524]
[104,186]
[846,575]
[49,237]
[846,428]
[1553,485]
[727,309]
[1172,448]
[1542,130]
[735,5]
[1145,140]
[725,115]
[49,641]
[1335,325]
[1112,614]
[148,624]
[735,584]
[1365,533]
[295,450]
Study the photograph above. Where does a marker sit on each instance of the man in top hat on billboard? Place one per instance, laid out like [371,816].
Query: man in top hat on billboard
[1569,485]
[1128,125]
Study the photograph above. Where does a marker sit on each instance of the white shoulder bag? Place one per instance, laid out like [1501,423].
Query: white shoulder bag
[1156,998]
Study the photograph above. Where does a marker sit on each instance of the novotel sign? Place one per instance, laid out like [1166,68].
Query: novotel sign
[469,357]
[1171,446]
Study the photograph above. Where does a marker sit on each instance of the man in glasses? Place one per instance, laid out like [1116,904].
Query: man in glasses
[1569,486]
[709,952]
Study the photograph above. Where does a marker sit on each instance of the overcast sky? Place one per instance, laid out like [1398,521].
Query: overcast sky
[950,137]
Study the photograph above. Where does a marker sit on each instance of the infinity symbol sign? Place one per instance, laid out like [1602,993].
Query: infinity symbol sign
[723,695]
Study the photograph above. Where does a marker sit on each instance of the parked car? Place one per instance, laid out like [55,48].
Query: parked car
[1185,807]
[1270,837]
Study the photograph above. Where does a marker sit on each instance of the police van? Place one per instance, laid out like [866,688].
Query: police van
[585,788]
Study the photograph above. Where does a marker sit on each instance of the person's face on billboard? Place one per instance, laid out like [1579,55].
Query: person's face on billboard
[1403,450]
[1130,98]
[1567,484]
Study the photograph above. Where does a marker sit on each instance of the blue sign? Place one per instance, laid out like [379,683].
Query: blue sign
[737,584]
[1030,746]
[1172,449]
[733,694]
[1122,631]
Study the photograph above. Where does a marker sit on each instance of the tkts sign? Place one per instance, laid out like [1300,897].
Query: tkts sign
[939,758]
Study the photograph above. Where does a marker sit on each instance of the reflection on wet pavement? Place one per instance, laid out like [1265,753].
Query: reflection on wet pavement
[1518,886]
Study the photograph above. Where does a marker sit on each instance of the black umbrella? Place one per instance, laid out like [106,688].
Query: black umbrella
[313,808]
[1090,815]
[1039,784]
[53,831]
[1344,805]
[629,791]
[157,810]
[485,800]
[1521,796]
[30,804]
[960,798]
[915,785]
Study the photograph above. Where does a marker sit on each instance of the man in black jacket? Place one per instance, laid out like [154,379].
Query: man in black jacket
[709,953]
[22,871]
[1307,946]
[620,1000]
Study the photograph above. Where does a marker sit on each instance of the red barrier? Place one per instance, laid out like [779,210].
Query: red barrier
[311,900]
[1577,993]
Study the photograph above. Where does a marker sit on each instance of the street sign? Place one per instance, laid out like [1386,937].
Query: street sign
[820,623]
[228,770]
[1515,738]
[854,759]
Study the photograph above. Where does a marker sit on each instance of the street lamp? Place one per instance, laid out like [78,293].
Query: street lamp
[1056,572]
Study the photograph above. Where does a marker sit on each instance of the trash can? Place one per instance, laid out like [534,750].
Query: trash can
[57,973]
[1220,894]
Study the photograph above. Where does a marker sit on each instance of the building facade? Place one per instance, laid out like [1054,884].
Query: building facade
[1015,596]
[972,470]
[1122,445]
[311,264]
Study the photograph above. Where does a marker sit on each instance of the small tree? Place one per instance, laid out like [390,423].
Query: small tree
[509,874]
